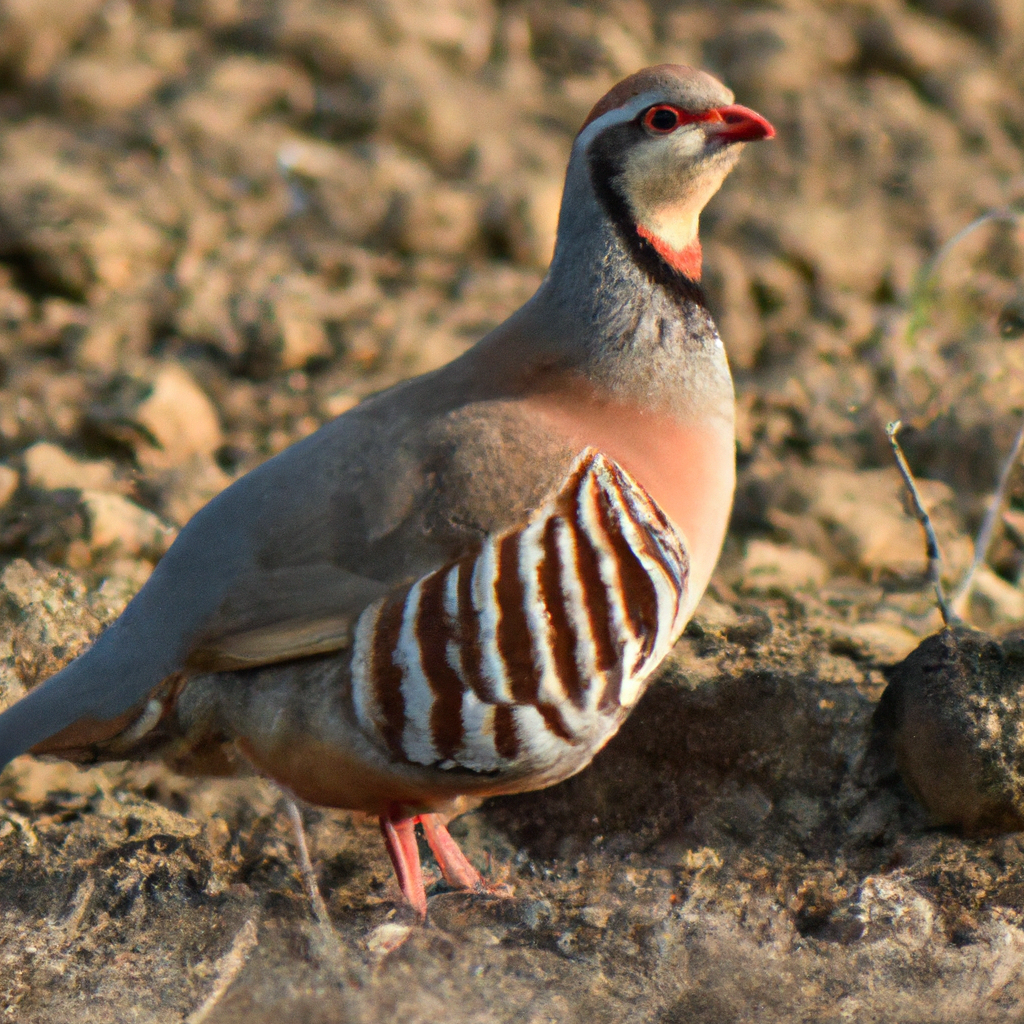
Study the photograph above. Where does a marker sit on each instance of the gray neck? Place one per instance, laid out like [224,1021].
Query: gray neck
[601,313]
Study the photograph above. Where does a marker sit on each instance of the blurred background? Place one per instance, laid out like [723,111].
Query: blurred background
[223,222]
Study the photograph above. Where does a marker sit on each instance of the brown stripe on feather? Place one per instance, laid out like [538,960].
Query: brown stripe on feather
[664,552]
[595,597]
[668,555]
[555,722]
[469,632]
[433,631]
[564,635]
[571,485]
[514,636]
[506,738]
[639,595]
[386,674]
[610,697]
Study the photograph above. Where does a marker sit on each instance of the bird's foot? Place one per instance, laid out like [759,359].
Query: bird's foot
[455,867]
[400,839]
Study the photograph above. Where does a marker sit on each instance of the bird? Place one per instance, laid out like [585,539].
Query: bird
[459,587]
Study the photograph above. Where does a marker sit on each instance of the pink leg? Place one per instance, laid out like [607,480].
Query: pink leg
[400,839]
[457,870]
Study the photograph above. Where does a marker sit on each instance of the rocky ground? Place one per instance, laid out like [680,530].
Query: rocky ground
[223,222]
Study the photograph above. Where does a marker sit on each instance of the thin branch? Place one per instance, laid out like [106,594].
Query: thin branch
[931,542]
[984,540]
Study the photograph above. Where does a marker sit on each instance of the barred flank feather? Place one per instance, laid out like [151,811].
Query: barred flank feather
[540,640]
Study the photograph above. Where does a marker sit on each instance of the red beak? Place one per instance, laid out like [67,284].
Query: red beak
[741,124]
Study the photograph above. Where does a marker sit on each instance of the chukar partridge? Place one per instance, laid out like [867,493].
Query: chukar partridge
[437,596]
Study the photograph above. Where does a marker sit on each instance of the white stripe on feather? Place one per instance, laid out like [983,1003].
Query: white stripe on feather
[478,752]
[485,601]
[576,609]
[537,743]
[417,739]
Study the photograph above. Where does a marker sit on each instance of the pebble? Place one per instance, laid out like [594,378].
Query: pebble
[8,483]
[181,419]
[781,568]
[595,917]
[885,642]
[114,521]
[1004,600]
[386,938]
[50,468]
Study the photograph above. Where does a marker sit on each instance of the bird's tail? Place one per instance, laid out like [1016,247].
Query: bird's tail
[87,702]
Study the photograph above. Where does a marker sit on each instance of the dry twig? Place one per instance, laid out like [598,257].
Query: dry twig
[931,541]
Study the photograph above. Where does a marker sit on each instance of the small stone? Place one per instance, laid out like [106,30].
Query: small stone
[97,86]
[50,468]
[54,622]
[595,917]
[534,913]
[713,616]
[26,587]
[146,820]
[741,811]
[1014,522]
[303,337]
[386,938]
[440,220]
[1004,600]
[881,641]
[804,813]
[703,859]
[189,487]
[181,419]
[888,905]
[8,483]
[781,568]
[482,936]
[335,405]
[874,818]
[114,521]
[863,513]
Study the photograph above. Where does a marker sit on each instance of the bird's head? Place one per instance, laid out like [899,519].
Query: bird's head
[657,147]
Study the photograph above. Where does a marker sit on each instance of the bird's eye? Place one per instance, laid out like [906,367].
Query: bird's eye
[662,119]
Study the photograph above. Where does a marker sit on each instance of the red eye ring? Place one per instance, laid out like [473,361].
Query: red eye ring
[662,119]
